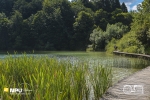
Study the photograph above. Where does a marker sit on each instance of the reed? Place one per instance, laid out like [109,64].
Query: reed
[136,63]
[51,79]
[101,80]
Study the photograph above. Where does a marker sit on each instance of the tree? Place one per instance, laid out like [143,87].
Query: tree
[84,2]
[143,35]
[115,4]
[115,31]
[82,28]
[146,6]
[114,14]
[78,7]
[6,6]
[58,24]
[4,32]
[28,7]
[101,19]
[124,8]
[28,36]
[99,4]
[97,38]
[16,27]
[142,22]
[58,19]
[18,43]
[124,18]
[100,39]
[39,28]
[107,6]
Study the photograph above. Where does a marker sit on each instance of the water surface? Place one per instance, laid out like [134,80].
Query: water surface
[121,66]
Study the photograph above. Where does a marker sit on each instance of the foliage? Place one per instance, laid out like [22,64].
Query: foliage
[16,30]
[101,18]
[128,43]
[4,31]
[78,7]
[27,7]
[110,46]
[115,31]
[100,39]
[147,50]
[119,16]
[141,24]
[55,24]
[97,38]
[124,8]
[138,39]
[6,6]
[99,84]
[49,78]
[82,28]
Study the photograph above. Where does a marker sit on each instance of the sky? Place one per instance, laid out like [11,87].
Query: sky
[131,4]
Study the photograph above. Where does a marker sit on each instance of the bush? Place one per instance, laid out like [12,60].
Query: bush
[131,49]
[100,39]
[110,46]
[128,43]
[147,50]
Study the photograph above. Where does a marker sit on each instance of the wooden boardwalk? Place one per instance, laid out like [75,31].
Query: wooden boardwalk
[132,54]
[122,90]
[134,87]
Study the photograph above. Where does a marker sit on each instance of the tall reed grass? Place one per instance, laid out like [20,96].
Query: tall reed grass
[50,79]
[136,63]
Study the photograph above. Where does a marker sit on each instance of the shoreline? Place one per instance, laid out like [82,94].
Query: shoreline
[132,55]
[138,84]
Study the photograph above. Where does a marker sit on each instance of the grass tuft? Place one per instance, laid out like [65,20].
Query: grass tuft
[51,79]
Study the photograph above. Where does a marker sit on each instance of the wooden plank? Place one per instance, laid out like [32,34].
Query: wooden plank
[132,54]
[140,80]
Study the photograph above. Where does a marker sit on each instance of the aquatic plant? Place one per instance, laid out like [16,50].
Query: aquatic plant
[51,79]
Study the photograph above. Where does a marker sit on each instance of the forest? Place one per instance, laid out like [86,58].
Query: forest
[74,25]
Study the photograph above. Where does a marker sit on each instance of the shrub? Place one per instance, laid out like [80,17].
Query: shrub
[128,43]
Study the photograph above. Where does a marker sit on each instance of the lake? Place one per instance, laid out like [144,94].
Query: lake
[121,66]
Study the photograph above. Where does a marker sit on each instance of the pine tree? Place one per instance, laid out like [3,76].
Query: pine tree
[107,5]
[99,4]
[124,8]
[84,1]
[115,4]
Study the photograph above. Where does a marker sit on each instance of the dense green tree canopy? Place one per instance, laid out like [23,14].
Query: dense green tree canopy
[82,28]
[57,24]
[101,38]
[4,32]
[138,39]
[124,8]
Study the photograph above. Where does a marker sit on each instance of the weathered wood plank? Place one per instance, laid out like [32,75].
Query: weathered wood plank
[132,55]
[118,92]
[124,89]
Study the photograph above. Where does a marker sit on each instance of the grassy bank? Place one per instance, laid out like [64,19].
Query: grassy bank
[51,79]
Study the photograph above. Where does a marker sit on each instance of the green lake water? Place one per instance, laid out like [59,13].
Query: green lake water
[121,66]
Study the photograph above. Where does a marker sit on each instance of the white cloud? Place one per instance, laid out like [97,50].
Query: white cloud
[131,4]
[134,7]
[128,5]
[127,1]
